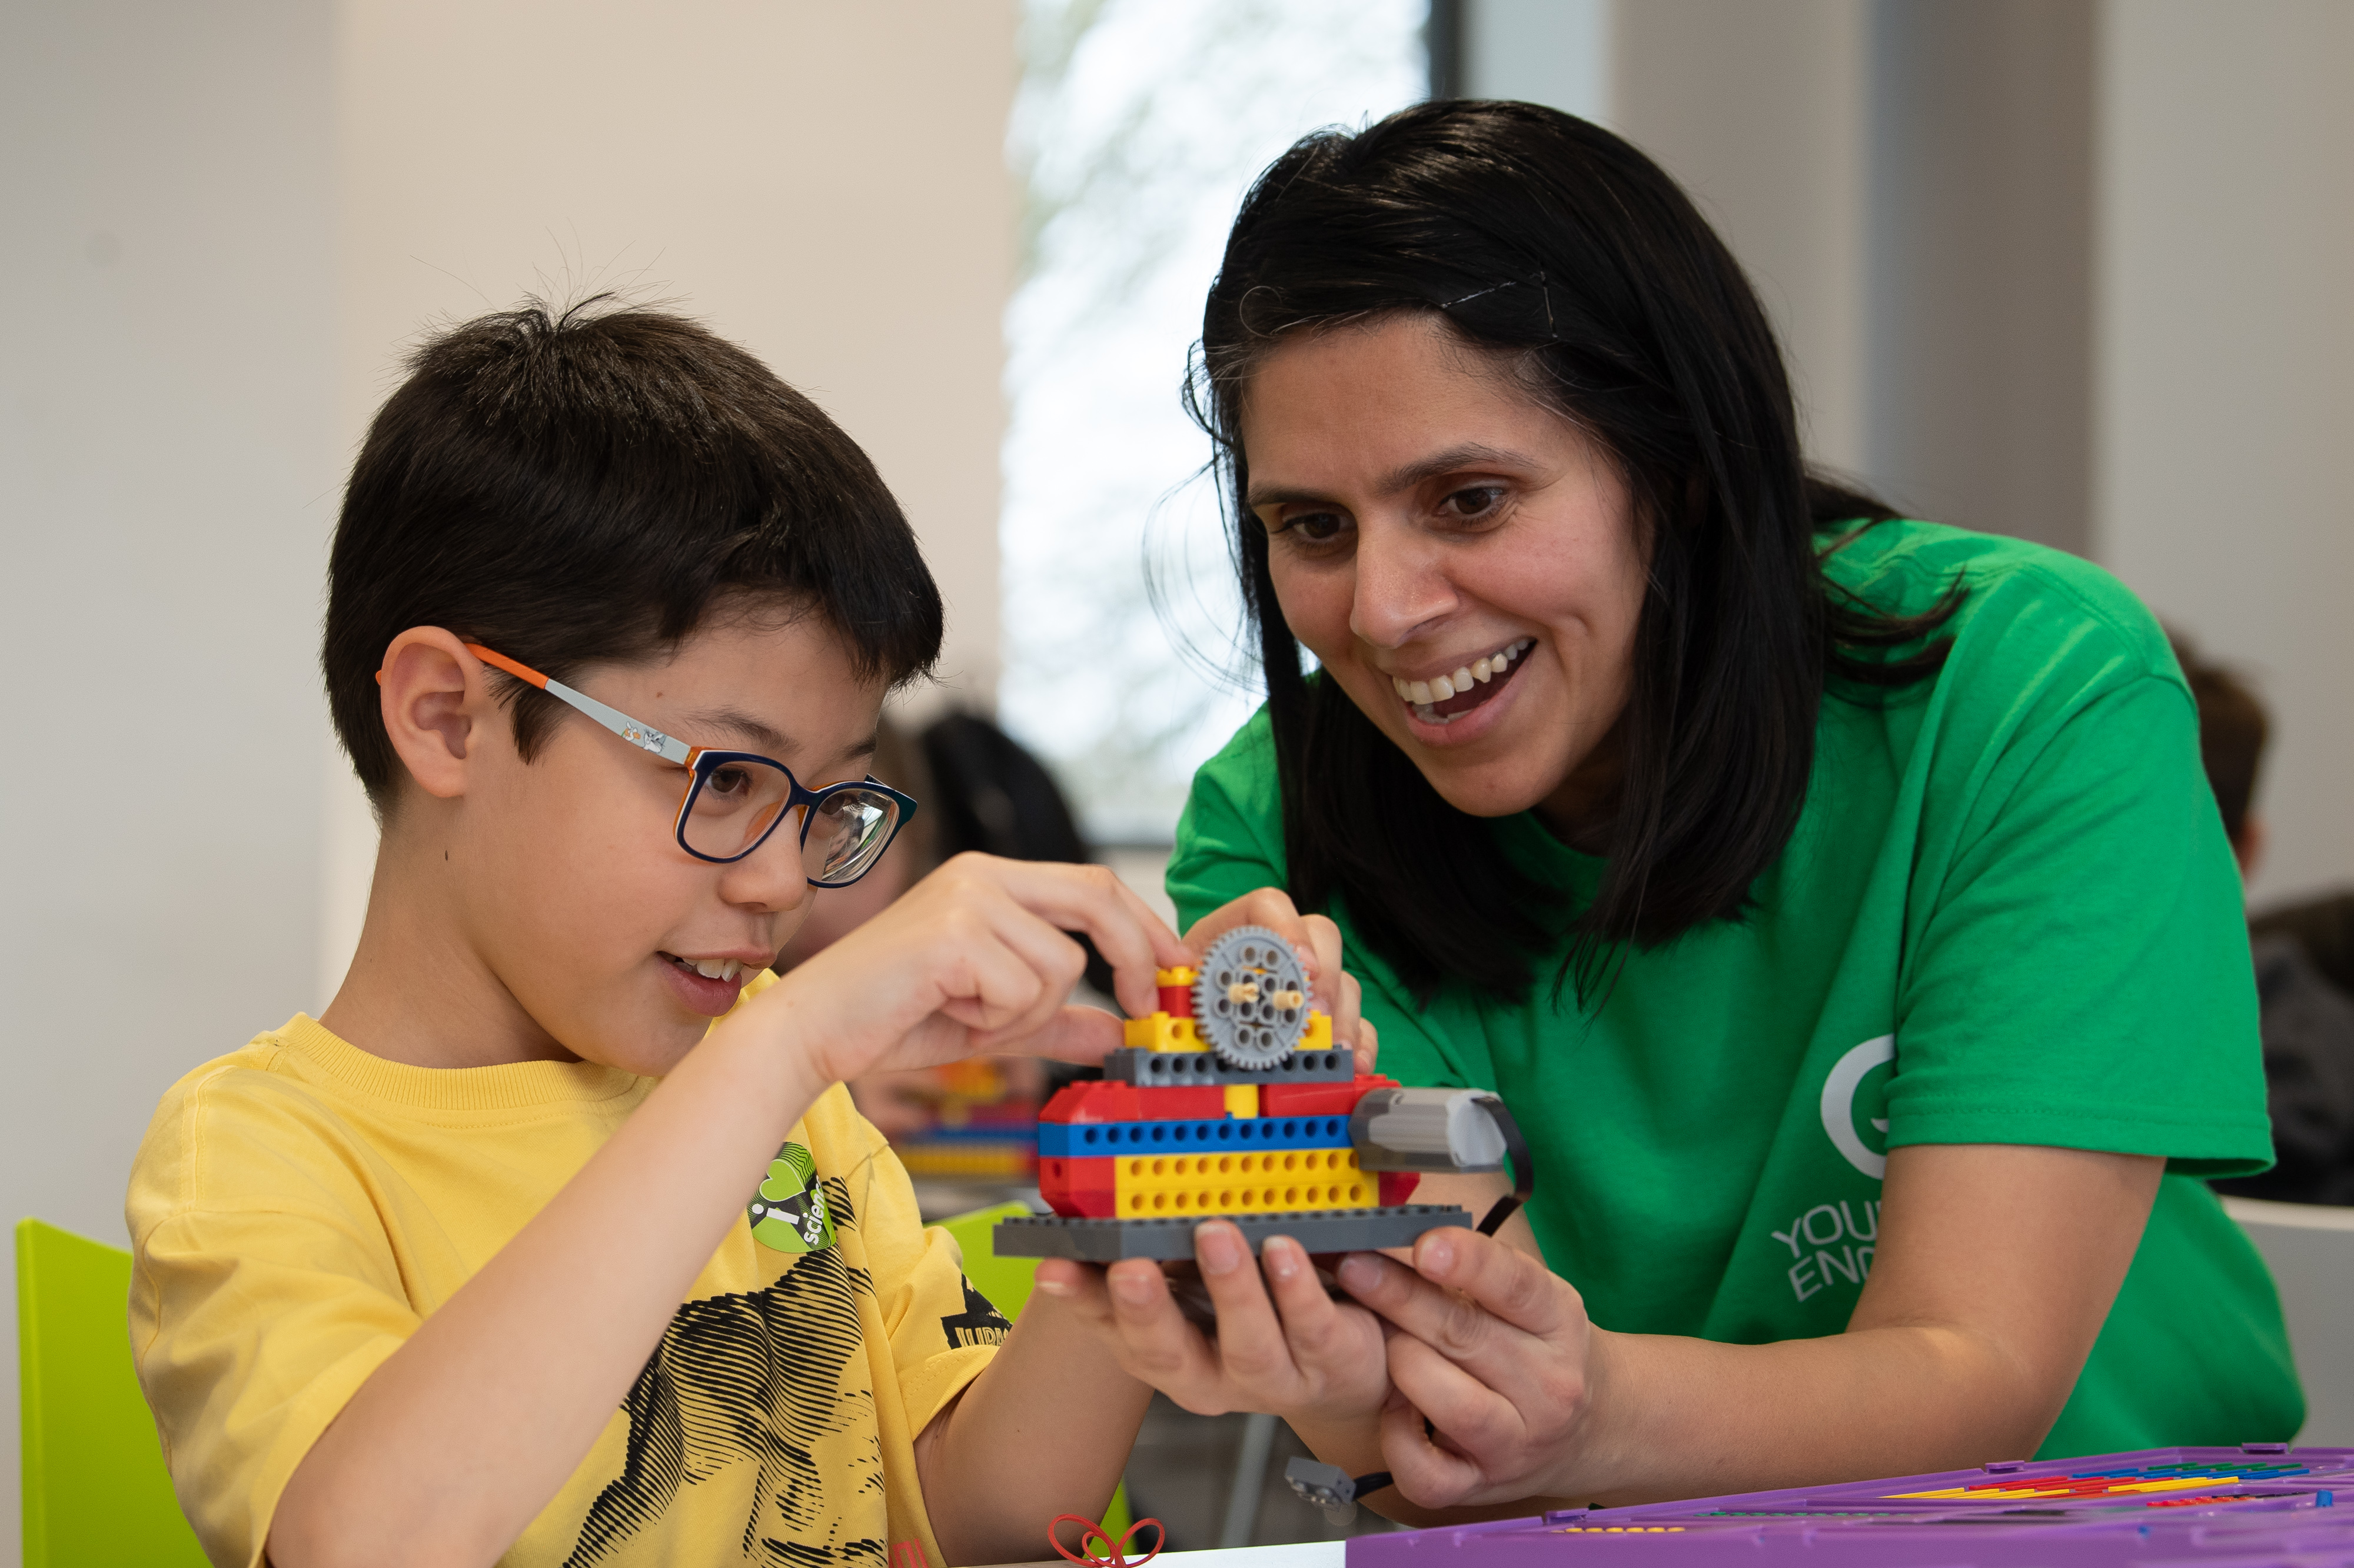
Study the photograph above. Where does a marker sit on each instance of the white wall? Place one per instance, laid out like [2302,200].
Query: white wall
[224,224]
[2226,426]
[826,185]
[167,469]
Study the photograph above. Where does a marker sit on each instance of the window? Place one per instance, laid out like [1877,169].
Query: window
[1139,126]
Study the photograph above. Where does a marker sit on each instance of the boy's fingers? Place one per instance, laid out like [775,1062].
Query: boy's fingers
[1251,1346]
[1160,1347]
[1133,940]
[1073,1033]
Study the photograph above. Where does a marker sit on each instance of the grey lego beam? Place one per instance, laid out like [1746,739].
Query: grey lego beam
[1317,1230]
[1202,1069]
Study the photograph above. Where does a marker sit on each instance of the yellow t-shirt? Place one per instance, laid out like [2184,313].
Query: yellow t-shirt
[299,1207]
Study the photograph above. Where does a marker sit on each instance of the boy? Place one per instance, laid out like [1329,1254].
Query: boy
[409,1276]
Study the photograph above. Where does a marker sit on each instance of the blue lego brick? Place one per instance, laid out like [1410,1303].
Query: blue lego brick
[1082,1140]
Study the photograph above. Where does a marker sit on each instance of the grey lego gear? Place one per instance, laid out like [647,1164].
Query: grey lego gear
[1250,998]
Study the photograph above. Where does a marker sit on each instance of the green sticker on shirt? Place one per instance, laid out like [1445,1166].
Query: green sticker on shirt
[789,1213]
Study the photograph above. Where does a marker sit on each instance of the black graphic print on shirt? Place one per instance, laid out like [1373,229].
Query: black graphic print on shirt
[977,1324]
[753,1377]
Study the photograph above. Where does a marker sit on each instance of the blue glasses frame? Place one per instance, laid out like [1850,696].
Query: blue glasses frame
[700,762]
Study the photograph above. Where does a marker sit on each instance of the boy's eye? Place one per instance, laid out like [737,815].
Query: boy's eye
[731,783]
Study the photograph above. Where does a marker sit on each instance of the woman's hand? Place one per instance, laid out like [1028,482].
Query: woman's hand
[1302,1355]
[1495,1351]
[1316,940]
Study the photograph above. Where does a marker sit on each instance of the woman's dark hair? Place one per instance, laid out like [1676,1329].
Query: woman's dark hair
[1551,241]
[589,488]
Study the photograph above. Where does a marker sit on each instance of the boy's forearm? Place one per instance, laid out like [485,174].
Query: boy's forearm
[1046,1429]
[458,1440]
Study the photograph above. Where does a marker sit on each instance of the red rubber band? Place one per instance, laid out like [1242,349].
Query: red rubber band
[1090,1530]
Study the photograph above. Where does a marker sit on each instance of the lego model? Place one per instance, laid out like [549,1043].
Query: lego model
[1232,1102]
[2261,1503]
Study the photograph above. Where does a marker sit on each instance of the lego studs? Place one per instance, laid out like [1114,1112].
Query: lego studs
[1250,998]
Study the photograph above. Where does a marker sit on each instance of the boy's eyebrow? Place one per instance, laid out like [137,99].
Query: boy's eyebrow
[742,726]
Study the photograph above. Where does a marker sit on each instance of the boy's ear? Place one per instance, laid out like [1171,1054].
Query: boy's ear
[433,695]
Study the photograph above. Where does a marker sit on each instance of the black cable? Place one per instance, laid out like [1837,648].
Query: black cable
[1372,1482]
[1524,1170]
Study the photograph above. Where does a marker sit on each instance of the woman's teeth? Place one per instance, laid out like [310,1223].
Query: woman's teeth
[1425,694]
[712,969]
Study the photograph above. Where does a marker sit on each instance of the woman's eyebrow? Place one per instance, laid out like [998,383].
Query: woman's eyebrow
[1470,454]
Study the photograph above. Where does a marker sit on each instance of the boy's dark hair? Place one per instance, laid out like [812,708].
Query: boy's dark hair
[2233,730]
[589,487]
[1554,244]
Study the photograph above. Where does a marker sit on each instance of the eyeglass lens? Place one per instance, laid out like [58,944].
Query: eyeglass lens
[737,802]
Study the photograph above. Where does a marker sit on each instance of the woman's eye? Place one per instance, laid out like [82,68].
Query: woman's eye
[1316,527]
[1473,502]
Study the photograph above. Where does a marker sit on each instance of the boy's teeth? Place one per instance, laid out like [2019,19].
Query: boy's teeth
[716,968]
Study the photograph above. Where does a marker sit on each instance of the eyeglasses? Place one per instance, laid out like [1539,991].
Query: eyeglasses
[735,799]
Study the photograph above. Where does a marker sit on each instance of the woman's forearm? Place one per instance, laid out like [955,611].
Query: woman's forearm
[1683,1417]
[456,1442]
[1046,1429]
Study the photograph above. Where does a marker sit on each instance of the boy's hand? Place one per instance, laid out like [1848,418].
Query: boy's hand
[974,958]
[1316,1361]
[1316,940]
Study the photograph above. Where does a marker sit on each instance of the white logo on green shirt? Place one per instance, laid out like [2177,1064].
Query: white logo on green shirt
[1847,1075]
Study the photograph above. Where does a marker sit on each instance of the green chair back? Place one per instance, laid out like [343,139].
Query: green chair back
[1007,1282]
[95,1487]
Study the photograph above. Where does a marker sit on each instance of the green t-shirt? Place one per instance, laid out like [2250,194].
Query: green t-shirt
[2008,914]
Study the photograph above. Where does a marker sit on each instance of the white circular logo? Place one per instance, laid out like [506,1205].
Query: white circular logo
[1839,1104]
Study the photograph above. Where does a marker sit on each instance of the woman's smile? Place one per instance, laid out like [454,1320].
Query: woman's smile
[1443,699]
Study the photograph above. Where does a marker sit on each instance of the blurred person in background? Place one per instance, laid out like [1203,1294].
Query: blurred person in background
[2304,965]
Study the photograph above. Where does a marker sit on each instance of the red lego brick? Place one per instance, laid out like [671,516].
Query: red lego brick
[1397,1186]
[1078,1188]
[1318,1099]
[1108,1099]
[1177,1000]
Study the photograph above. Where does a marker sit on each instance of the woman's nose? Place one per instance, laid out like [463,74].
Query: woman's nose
[1401,585]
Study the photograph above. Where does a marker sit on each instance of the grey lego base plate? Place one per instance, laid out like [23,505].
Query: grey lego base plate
[1318,1230]
[1188,1069]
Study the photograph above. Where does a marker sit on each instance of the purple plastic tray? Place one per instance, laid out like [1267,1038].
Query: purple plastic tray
[2261,1505]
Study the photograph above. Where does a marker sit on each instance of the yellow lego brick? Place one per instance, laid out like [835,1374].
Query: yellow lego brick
[1180,976]
[1162,1033]
[1268,1181]
[1319,1033]
[1242,1101]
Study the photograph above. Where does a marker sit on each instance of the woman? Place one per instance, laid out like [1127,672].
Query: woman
[1836,899]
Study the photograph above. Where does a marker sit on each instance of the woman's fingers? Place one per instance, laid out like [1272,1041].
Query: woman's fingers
[1369,1044]
[1481,1304]
[1270,907]
[1326,960]
[1423,1472]
[1346,1019]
